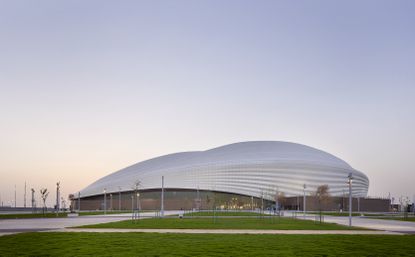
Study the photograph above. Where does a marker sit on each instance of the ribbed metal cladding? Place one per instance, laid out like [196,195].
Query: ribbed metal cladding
[259,169]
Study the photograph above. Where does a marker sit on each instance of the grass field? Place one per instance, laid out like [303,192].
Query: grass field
[31,215]
[222,223]
[334,213]
[101,212]
[152,244]
[223,213]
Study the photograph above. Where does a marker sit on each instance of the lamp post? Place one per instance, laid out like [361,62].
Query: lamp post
[110,202]
[138,201]
[105,201]
[343,205]
[25,194]
[132,204]
[198,199]
[350,181]
[276,201]
[57,197]
[79,201]
[252,203]
[137,212]
[298,203]
[119,199]
[33,200]
[304,200]
[162,197]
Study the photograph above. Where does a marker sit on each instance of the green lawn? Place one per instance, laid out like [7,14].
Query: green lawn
[152,244]
[101,212]
[334,213]
[31,215]
[222,223]
[223,213]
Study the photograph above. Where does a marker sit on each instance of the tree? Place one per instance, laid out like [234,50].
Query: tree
[281,199]
[322,197]
[44,195]
[207,201]
[136,211]
[136,186]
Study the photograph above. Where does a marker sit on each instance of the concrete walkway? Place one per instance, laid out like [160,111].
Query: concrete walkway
[231,231]
[378,224]
[13,226]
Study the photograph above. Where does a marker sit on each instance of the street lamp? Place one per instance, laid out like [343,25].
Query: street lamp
[105,201]
[79,201]
[276,201]
[138,205]
[252,203]
[162,197]
[138,202]
[57,198]
[350,181]
[304,199]
[119,199]
[110,202]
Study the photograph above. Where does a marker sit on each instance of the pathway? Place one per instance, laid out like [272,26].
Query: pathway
[378,224]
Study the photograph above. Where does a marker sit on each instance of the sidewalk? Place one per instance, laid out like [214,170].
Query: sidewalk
[13,226]
[364,222]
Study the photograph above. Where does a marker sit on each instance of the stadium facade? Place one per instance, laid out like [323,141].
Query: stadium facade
[242,175]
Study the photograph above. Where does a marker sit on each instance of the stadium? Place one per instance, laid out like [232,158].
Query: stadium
[245,175]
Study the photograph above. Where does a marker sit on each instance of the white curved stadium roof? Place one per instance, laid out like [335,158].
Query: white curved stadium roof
[255,168]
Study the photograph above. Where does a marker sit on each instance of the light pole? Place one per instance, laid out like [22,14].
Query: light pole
[25,194]
[79,201]
[63,205]
[350,180]
[33,200]
[138,202]
[252,203]
[198,202]
[304,200]
[343,205]
[105,201]
[119,199]
[132,204]
[57,197]
[298,203]
[138,205]
[162,197]
[110,202]
[276,201]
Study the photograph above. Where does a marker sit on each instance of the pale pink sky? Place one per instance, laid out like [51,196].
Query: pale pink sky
[87,88]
